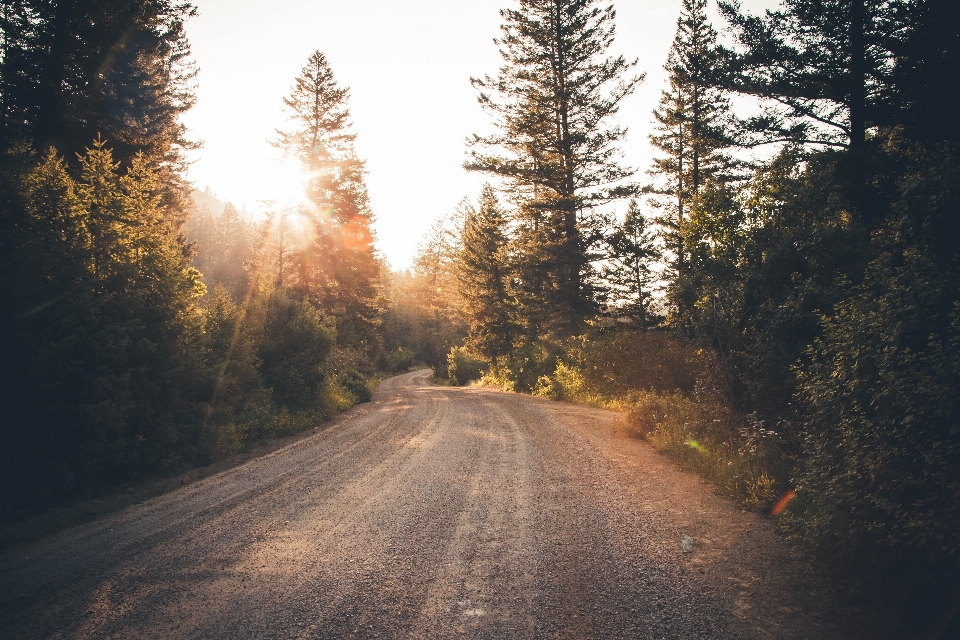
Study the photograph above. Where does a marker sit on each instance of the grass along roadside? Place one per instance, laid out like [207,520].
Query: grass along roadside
[671,395]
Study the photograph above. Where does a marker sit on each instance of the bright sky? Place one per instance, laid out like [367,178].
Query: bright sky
[408,65]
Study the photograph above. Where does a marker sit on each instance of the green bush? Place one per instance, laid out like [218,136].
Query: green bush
[525,367]
[709,437]
[297,339]
[614,363]
[881,475]
[353,382]
[462,367]
[399,360]
[566,383]
[673,395]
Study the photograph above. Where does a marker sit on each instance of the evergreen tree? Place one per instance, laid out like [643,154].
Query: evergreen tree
[484,273]
[691,119]
[318,108]
[339,270]
[199,231]
[858,76]
[230,351]
[296,342]
[72,70]
[821,66]
[927,58]
[435,261]
[104,320]
[224,246]
[633,252]
[432,293]
[554,148]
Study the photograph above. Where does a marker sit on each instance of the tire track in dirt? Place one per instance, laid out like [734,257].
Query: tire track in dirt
[432,512]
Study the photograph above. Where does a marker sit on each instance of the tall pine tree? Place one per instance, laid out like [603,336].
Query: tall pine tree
[102,315]
[484,273]
[555,148]
[630,273]
[820,67]
[691,119]
[339,269]
[75,70]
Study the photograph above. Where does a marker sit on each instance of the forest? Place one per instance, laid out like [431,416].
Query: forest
[778,308]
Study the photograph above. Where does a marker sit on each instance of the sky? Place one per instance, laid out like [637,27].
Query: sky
[408,65]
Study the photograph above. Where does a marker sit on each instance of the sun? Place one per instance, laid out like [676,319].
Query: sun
[283,182]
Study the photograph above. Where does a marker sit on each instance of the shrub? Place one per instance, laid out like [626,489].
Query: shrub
[617,362]
[462,367]
[714,440]
[399,360]
[355,384]
[566,383]
[524,368]
[880,480]
[297,339]
[498,377]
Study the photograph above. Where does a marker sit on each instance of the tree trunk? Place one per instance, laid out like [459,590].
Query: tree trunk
[857,75]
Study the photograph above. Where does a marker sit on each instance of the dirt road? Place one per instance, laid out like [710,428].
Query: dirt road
[431,512]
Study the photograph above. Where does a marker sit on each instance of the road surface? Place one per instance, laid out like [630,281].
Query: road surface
[431,512]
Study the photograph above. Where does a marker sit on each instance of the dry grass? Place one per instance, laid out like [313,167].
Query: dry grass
[712,439]
[672,394]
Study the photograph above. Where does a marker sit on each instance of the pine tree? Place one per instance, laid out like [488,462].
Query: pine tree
[424,318]
[822,67]
[554,149]
[102,311]
[435,262]
[927,59]
[318,108]
[47,253]
[339,270]
[483,271]
[296,342]
[74,70]
[630,276]
[691,118]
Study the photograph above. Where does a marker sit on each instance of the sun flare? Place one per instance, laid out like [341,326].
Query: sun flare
[284,183]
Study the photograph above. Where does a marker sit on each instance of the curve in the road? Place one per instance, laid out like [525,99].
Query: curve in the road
[431,512]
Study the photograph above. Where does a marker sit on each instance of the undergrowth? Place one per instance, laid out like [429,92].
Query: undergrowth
[260,419]
[672,395]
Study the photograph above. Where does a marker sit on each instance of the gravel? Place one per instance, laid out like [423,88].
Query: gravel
[431,512]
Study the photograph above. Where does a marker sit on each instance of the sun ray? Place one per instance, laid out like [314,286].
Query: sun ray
[284,182]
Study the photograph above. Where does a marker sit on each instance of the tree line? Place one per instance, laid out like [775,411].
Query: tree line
[799,312]
[139,334]
[818,284]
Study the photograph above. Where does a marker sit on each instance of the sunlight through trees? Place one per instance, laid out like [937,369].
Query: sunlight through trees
[785,324]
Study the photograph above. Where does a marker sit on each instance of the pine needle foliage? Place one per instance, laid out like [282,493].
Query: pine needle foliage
[318,109]
[74,70]
[692,117]
[484,274]
[338,270]
[629,274]
[555,149]
[819,66]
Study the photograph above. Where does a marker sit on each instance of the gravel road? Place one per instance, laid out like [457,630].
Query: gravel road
[431,512]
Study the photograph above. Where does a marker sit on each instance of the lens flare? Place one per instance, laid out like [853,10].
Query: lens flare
[787,497]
